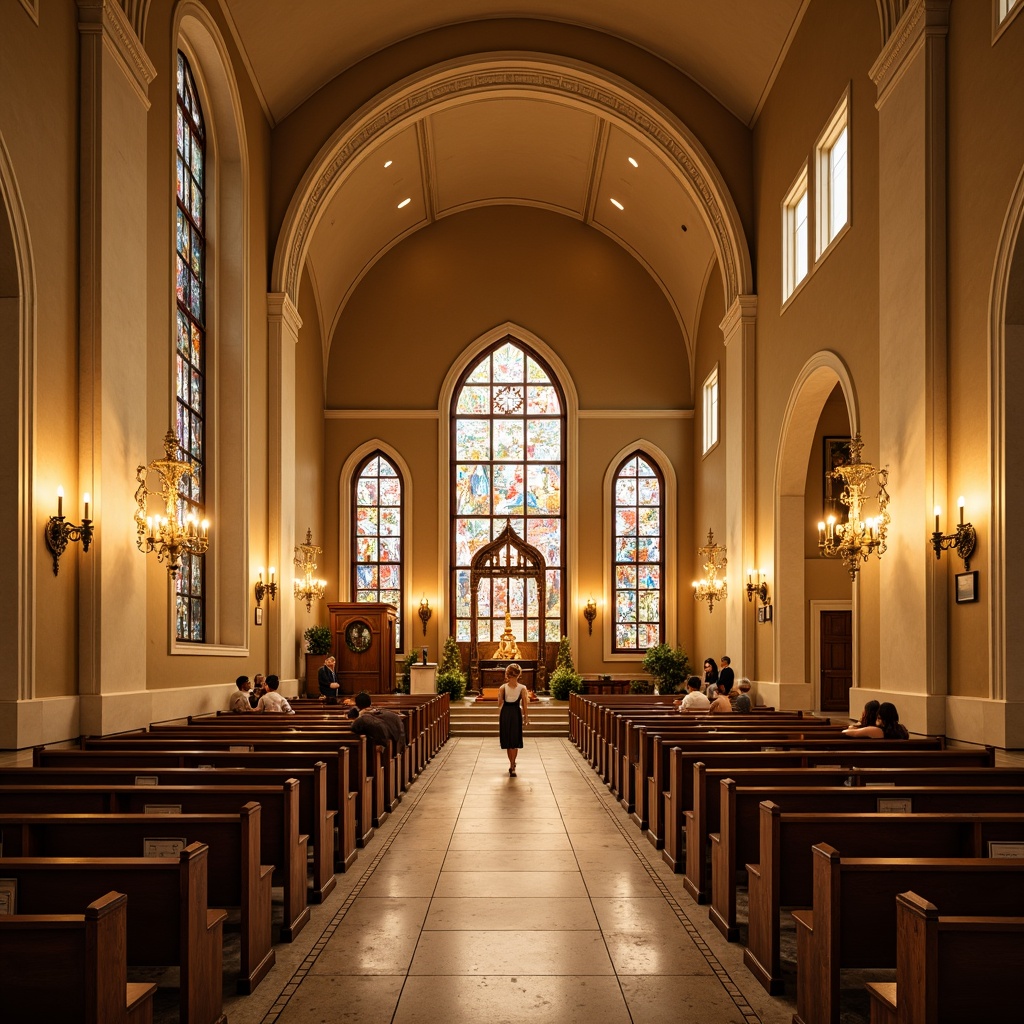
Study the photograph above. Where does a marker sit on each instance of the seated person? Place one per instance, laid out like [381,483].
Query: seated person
[240,698]
[694,699]
[272,700]
[743,703]
[869,714]
[259,687]
[721,703]
[887,726]
[378,725]
[327,680]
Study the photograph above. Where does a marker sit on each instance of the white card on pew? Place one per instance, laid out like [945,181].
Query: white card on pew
[161,809]
[162,847]
[894,805]
[147,780]
[1004,850]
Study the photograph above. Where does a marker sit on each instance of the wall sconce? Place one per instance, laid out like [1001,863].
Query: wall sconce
[425,613]
[308,589]
[59,533]
[262,590]
[962,542]
[711,588]
[855,540]
[760,588]
[170,535]
[590,613]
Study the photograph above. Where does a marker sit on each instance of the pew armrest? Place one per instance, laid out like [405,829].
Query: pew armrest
[883,1001]
[139,1002]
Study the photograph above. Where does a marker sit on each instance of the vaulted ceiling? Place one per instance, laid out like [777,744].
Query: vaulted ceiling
[514,149]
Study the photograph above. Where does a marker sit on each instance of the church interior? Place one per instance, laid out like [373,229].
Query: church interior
[710,308]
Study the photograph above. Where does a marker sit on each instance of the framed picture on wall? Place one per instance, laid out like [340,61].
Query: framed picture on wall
[966,587]
[836,452]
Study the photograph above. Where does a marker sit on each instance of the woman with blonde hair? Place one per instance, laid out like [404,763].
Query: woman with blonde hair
[513,714]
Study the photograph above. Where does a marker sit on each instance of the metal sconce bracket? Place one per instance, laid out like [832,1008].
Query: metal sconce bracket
[424,614]
[590,613]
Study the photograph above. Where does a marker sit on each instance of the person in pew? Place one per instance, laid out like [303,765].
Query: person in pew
[240,698]
[710,678]
[743,703]
[259,687]
[368,718]
[868,715]
[272,700]
[327,681]
[887,726]
[694,699]
[721,704]
[726,676]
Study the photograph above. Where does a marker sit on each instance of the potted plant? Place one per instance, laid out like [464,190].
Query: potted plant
[318,648]
[669,666]
[450,677]
[565,679]
[405,675]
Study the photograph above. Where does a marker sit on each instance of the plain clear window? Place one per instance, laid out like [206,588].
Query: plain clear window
[794,236]
[833,176]
[711,411]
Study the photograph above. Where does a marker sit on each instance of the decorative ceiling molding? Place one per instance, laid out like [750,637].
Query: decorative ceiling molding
[922,18]
[462,81]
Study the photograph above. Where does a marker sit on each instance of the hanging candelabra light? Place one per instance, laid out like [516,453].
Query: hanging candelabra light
[711,588]
[175,533]
[309,588]
[857,538]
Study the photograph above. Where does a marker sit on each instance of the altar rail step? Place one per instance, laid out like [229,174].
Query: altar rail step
[481,719]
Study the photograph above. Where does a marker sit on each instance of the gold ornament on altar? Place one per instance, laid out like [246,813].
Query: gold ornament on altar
[507,650]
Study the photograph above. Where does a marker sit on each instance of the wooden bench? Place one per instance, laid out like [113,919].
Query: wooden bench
[853,920]
[782,875]
[235,876]
[92,984]
[703,817]
[169,923]
[949,969]
[281,844]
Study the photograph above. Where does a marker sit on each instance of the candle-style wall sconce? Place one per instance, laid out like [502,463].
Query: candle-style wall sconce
[58,533]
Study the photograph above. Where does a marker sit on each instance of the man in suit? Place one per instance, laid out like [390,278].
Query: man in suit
[327,680]
[726,676]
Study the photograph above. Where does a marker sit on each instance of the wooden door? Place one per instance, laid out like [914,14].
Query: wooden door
[836,660]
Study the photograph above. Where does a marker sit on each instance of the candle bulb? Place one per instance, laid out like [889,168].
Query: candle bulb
[960,505]
[271,574]
[821,535]
[259,574]
[86,497]
[60,502]
[938,512]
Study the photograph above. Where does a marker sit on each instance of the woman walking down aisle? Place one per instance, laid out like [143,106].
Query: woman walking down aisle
[513,714]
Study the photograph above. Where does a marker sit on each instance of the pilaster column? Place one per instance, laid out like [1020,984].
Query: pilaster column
[740,330]
[283,324]
[910,76]
[115,77]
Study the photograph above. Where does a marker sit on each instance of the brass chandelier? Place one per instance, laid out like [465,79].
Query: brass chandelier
[173,534]
[711,588]
[858,537]
[309,588]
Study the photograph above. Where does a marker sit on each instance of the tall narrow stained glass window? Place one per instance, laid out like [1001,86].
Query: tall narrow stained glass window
[190,313]
[508,463]
[377,513]
[638,554]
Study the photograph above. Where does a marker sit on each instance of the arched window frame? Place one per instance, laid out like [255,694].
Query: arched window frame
[228,562]
[374,592]
[567,406]
[630,505]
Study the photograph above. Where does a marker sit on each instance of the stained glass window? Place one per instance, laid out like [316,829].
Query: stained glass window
[508,463]
[638,554]
[190,346]
[377,537]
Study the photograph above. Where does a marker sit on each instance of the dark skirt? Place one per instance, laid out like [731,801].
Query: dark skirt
[510,725]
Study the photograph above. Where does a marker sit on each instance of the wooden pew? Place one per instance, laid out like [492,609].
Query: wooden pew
[782,875]
[853,920]
[281,844]
[235,876]
[703,816]
[91,986]
[168,919]
[944,967]
[315,819]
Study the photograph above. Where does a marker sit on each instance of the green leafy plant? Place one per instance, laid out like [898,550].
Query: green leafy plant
[450,677]
[405,676]
[318,640]
[669,666]
[565,679]
[641,686]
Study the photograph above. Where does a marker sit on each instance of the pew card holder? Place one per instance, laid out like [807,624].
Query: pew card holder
[8,896]
[147,780]
[894,805]
[161,809]
[162,846]
[999,849]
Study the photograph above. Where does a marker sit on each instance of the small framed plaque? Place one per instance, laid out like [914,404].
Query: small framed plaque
[147,780]
[162,847]
[894,805]
[239,748]
[966,587]
[8,896]
[161,809]
[1002,850]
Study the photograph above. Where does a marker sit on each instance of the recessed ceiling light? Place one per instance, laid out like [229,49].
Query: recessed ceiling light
[404,203]
[388,163]
[633,162]
[617,204]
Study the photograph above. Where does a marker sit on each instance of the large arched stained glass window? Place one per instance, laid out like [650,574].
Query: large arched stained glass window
[190,294]
[377,537]
[508,463]
[637,554]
